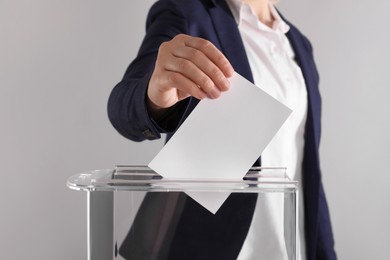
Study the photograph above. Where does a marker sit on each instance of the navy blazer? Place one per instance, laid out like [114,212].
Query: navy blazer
[212,20]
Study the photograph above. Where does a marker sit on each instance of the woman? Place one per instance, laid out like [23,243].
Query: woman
[190,50]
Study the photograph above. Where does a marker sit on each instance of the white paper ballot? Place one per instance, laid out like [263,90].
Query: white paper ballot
[222,138]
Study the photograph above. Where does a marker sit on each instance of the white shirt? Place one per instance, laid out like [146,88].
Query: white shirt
[271,59]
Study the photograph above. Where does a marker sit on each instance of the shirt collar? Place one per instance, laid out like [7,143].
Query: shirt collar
[239,10]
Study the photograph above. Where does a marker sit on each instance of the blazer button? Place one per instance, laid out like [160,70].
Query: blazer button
[148,134]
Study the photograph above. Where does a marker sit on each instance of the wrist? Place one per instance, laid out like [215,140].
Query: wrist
[155,111]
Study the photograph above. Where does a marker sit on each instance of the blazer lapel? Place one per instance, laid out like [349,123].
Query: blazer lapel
[229,38]
[232,46]
[230,41]
[312,135]
[306,63]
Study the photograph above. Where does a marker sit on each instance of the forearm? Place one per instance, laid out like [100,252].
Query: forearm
[128,108]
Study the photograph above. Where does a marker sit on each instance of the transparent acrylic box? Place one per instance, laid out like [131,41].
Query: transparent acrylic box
[134,213]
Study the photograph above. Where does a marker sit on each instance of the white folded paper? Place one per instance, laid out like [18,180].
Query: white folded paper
[222,138]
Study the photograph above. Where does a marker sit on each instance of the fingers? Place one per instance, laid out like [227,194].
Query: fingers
[211,64]
[198,77]
[188,66]
[167,88]
[199,61]
[212,52]
[185,87]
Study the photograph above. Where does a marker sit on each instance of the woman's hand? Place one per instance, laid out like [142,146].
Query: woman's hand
[187,66]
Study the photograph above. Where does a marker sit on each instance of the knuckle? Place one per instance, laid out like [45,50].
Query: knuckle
[184,65]
[223,63]
[179,37]
[206,83]
[204,44]
[218,78]
[193,54]
[164,45]
[172,78]
[216,73]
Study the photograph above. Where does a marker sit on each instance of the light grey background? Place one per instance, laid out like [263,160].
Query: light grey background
[59,61]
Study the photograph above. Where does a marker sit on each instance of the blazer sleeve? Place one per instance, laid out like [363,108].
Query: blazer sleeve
[325,249]
[127,109]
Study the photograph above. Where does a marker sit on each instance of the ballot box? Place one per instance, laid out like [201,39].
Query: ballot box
[134,213]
